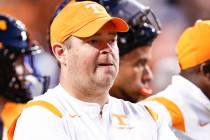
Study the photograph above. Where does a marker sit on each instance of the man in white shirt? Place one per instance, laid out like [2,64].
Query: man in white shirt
[185,104]
[133,79]
[84,41]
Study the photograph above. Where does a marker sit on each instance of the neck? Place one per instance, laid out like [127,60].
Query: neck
[115,92]
[121,94]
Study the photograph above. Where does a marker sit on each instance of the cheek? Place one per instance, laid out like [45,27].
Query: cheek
[132,79]
[116,53]
[128,73]
[208,76]
[137,74]
[88,60]
[90,57]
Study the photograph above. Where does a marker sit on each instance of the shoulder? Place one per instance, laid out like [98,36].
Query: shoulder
[36,118]
[54,97]
[168,110]
[40,108]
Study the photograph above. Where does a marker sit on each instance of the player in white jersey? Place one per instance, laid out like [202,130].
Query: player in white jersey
[84,41]
[185,104]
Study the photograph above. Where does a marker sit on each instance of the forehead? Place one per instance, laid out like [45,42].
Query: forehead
[138,53]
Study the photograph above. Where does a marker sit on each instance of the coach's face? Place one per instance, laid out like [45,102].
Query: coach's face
[92,63]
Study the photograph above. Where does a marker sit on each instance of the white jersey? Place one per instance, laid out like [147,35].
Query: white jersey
[184,106]
[87,121]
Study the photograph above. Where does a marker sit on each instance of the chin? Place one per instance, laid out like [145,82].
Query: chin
[106,82]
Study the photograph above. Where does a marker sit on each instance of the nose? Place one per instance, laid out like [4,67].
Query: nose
[106,48]
[147,74]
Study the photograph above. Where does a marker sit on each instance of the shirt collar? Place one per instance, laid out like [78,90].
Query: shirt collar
[81,107]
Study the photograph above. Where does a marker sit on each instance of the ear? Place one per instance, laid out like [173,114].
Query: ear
[59,52]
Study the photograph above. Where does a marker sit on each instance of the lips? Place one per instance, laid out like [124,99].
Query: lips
[106,60]
[105,64]
[146,91]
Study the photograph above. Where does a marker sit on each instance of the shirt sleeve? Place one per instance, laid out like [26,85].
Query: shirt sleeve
[163,120]
[37,123]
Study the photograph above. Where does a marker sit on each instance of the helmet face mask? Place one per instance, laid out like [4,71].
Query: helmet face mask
[37,83]
[11,87]
[15,53]
[20,89]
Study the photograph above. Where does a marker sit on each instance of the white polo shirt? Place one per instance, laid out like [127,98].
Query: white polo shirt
[87,121]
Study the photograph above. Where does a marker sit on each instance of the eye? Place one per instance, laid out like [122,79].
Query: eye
[141,63]
[93,41]
[112,41]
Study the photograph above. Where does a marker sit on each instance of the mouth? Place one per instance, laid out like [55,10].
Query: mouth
[105,64]
[108,67]
[146,91]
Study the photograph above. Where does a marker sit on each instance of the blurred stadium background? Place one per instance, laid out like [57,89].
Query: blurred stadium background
[174,16]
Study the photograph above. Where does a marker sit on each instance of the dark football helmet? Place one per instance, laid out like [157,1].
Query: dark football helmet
[14,43]
[143,24]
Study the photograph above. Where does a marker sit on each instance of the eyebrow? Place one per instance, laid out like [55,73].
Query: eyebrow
[142,60]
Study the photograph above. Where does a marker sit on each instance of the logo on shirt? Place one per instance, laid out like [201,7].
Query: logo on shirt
[202,124]
[121,121]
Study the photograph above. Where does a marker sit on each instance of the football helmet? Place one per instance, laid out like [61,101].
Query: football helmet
[15,44]
[143,24]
